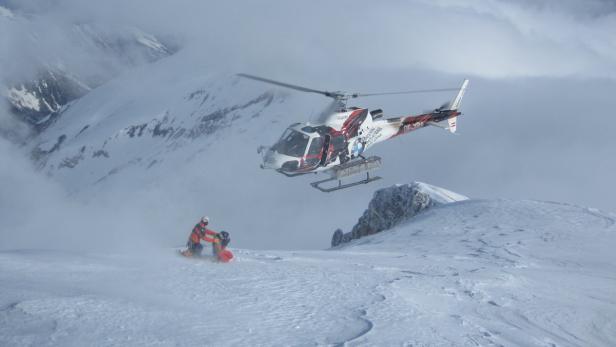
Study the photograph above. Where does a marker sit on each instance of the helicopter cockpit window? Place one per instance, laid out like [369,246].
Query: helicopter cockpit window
[314,152]
[316,146]
[292,143]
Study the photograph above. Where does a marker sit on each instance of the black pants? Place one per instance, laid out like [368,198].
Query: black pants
[194,248]
[214,250]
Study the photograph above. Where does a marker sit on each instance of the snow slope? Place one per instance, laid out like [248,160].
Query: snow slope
[467,273]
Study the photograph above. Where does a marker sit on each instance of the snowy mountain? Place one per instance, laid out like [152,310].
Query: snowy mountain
[55,78]
[468,273]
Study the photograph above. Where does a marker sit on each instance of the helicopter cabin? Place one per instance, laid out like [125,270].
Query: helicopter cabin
[312,146]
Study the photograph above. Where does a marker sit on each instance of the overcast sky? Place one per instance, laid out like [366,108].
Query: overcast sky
[491,38]
[537,118]
[308,41]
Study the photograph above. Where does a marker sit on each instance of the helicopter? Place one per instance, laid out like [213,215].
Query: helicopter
[336,144]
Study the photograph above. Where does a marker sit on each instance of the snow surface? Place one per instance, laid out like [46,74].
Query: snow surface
[467,273]
[438,194]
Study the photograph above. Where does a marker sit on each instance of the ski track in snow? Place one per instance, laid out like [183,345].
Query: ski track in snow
[474,273]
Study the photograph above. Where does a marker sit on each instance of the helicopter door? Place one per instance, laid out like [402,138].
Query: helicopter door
[325,150]
[313,157]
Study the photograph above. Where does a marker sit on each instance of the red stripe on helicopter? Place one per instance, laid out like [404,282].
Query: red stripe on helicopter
[353,122]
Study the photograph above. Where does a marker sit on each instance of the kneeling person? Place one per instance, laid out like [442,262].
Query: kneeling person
[219,241]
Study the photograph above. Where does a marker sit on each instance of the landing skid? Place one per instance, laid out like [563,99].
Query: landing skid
[293,174]
[351,168]
[340,186]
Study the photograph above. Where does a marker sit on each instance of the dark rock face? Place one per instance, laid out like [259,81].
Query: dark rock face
[389,207]
[38,153]
[213,121]
[49,91]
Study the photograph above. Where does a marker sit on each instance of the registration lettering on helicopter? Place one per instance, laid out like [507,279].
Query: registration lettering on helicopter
[413,126]
[372,135]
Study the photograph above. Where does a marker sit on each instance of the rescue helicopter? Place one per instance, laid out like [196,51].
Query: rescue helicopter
[336,144]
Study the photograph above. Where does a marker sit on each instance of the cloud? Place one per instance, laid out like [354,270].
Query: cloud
[37,213]
[541,38]
[493,38]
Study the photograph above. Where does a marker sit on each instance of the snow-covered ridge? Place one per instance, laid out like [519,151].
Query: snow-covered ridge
[136,131]
[438,194]
[151,42]
[394,205]
[130,45]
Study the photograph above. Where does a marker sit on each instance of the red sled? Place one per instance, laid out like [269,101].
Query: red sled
[225,256]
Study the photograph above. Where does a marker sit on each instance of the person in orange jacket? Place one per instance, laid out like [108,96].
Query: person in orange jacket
[219,241]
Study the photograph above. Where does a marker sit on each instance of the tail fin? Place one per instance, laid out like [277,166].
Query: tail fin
[452,122]
[455,103]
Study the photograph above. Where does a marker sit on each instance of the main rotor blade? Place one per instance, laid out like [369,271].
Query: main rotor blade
[287,85]
[357,95]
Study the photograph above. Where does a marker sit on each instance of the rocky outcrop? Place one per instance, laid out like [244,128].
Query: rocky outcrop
[45,95]
[393,205]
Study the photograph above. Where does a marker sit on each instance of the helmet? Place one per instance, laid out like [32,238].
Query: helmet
[224,238]
[205,220]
